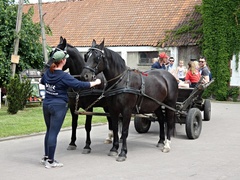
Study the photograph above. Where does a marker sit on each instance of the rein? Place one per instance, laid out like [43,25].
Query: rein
[97,91]
[103,92]
[117,76]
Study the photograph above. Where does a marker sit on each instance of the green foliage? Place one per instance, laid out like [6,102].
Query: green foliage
[233,93]
[17,94]
[26,91]
[220,31]
[220,41]
[30,47]
[13,90]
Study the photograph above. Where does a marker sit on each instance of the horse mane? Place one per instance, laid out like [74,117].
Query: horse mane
[74,49]
[117,61]
[75,62]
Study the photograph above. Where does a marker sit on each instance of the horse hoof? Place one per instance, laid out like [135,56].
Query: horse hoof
[112,153]
[166,150]
[121,159]
[107,141]
[160,145]
[71,147]
[86,151]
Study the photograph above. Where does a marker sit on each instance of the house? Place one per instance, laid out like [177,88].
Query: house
[136,29]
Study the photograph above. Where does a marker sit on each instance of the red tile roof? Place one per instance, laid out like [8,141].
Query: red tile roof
[192,26]
[120,22]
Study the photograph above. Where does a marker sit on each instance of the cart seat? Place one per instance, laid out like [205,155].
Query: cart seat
[183,93]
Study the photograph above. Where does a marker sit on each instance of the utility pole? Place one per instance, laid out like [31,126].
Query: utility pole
[45,55]
[15,57]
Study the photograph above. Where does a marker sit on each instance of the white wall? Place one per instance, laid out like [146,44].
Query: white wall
[235,78]
[128,53]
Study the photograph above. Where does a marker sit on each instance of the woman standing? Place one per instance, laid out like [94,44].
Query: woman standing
[55,104]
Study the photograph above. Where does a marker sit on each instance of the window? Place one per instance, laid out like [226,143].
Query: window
[146,57]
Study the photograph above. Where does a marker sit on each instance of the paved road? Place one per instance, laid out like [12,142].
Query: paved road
[214,156]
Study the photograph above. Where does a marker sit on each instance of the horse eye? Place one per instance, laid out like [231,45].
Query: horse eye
[97,59]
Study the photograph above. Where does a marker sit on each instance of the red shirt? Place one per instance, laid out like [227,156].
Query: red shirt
[193,78]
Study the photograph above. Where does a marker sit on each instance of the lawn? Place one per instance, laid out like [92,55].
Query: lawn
[30,121]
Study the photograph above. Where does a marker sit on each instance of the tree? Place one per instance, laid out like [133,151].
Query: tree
[30,47]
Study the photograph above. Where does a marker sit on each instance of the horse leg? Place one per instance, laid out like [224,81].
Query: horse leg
[72,145]
[109,138]
[114,149]
[170,127]
[161,119]
[88,127]
[120,128]
[125,128]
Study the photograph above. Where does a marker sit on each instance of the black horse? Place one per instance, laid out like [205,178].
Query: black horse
[75,63]
[133,92]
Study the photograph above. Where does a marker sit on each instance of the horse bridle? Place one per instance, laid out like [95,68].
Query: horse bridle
[93,70]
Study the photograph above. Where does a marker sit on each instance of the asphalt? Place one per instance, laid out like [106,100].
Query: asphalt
[213,156]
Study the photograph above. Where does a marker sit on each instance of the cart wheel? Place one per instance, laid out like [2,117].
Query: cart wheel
[142,125]
[193,123]
[207,110]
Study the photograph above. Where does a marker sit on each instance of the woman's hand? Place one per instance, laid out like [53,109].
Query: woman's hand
[96,82]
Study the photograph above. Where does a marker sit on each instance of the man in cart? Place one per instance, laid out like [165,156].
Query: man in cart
[162,61]
[203,69]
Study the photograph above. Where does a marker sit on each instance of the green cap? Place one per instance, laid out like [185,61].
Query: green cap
[59,55]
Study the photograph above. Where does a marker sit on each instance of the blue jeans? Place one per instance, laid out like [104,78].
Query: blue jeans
[54,115]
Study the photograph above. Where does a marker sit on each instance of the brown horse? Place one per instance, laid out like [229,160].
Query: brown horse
[131,92]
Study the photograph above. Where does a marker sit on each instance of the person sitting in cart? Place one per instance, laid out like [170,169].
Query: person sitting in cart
[162,61]
[203,69]
[193,75]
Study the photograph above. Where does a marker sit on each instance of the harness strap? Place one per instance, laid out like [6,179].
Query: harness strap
[142,92]
[122,90]
[160,103]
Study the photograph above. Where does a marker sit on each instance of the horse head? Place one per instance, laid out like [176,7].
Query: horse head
[75,62]
[96,61]
[50,60]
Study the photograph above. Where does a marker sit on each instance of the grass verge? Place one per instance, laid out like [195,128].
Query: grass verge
[30,121]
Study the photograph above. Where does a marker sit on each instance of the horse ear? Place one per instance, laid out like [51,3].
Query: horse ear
[101,46]
[64,42]
[61,40]
[94,43]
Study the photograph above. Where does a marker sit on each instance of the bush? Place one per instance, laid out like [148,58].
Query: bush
[17,94]
[26,91]
[233,93]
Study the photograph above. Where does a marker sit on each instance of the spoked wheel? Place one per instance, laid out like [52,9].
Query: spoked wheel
[193,123]
[142,125]
[207,110]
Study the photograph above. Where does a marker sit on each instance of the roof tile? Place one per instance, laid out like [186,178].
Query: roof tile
[120,22]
